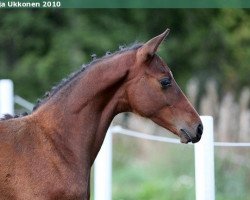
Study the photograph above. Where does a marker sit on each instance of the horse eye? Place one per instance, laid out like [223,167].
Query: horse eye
[165,82]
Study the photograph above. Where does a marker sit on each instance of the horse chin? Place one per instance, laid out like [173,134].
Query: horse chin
[184,140]
[184,137]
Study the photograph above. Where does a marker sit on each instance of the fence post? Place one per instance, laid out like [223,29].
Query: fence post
[204,162]
[103,170]
[6,97]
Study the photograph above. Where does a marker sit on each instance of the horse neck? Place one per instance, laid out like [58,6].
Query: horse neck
[82,112]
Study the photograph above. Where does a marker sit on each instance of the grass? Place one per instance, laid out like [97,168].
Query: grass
[150,171]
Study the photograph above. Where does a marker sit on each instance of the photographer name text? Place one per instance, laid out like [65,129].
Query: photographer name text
[30,4]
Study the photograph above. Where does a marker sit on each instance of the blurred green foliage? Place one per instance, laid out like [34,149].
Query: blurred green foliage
[40,47]
[152,171]
[159,171]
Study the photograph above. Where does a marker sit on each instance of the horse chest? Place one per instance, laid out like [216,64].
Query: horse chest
[49,191]
[43,182]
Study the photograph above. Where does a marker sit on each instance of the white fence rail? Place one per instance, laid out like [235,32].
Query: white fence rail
[103,170]
[204,161]
[204,150]
[6,97]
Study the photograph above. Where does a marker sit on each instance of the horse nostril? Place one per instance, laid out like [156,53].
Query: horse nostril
[200,129]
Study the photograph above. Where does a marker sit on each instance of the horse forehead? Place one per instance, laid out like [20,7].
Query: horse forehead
[159,65]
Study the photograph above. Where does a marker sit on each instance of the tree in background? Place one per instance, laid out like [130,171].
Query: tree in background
[40,47]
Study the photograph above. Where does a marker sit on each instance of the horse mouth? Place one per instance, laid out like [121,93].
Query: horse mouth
[186,137]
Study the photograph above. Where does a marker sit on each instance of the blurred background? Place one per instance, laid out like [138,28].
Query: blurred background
[208,51]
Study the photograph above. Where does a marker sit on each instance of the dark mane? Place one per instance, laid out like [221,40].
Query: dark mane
[72,76]
[9,116]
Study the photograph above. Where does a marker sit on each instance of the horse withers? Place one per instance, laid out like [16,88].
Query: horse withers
[48,154]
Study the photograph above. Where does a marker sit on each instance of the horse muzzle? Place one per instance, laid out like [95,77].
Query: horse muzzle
[186,136]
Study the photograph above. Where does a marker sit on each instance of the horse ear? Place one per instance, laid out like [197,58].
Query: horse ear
[150,47]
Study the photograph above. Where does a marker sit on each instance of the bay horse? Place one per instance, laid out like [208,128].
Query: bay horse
[48,154]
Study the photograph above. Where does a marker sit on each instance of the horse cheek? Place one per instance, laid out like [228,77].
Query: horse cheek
[145,102]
